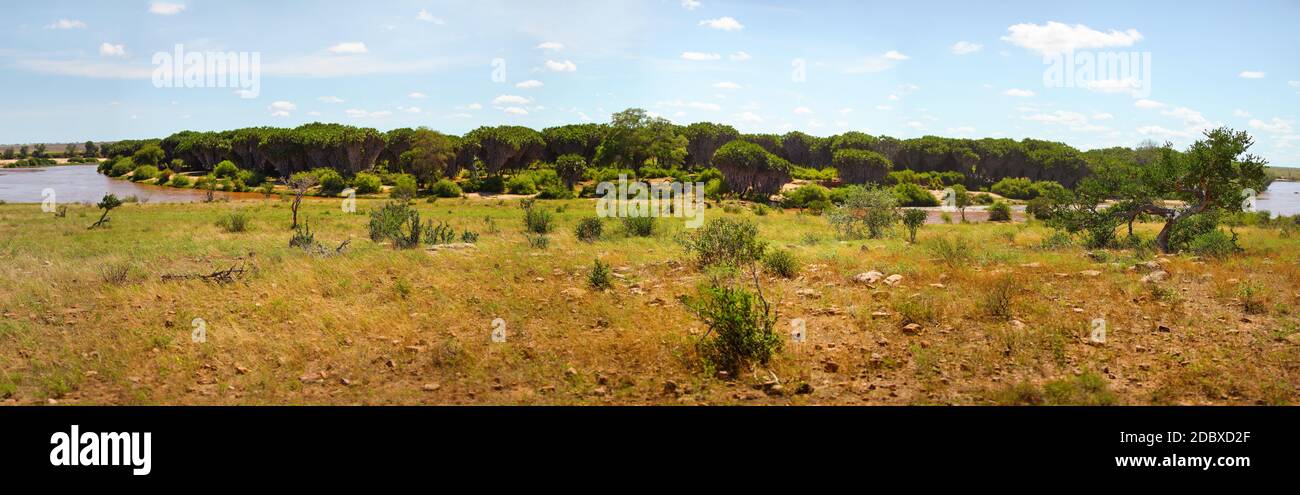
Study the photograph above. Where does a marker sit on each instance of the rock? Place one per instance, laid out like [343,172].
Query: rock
[600,391]
[431,387]
[912,329]
[938,286]
[869,278]
[1017,324]
[1294,338]
[1149,266]
[803,389]
[808,293]
[1090,273]
[775,390]
[894,279]
[1156,277]
[831,367]
[670,387]
[573,293]
[570,373]
[879,314]
[1032,265]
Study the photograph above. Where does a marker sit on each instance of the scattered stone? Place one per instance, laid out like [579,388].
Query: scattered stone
[803,389]
[879,314]
[1017,324]
[894,279]
[1149,266]
[431,387]
[938,286]
[670,387]
[452,247]
[573,293]
[831,367]
[912,329]
[869,278]
[808,293]
[1156,277]
[570,373]
[1090,273]
[1032,265]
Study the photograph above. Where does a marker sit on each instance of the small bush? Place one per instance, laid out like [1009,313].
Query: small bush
[303,238]
[590,229]
[724,242]
[144,173]
[1252,298]
[446,189]
[952,251]
[909,194]
[331,183]
[1000,212]
[782,263]
[365,183]
[997,301]
[396,222]
[913,219]
[179,180]
[741,328]
[1213,244]
[1040,207]
[536,220]
[404,187]
[639,226]
[493,185]
[521,184]
[537,241]
[805,195]
[226,170]
[234,222]
[599,277]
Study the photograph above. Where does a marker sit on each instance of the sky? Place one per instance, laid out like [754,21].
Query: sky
[80,70]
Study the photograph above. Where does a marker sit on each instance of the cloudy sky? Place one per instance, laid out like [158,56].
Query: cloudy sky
[77,70]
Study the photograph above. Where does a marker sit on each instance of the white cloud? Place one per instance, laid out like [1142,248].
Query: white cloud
[700,56]
[739,57]
[1056,37]
[417,96]
[691,4]
[697,105]
[282,108]
[895,55]
[724,23]
[801,110]
[1018,93]
[726,85]
[166,8]
[1294,84]
[67,24]
[884,108]
[565,66]
[357,113]
[846,111]
[330,99]
[511,100]
[961,130]
[1191,118]
[529,84]
[515,111]
[474,106]
[966,48]
[1102,116]
[279,113]
[878,63]
[1155,130]
[1241,113]
[110,50]
[1074,121]
[750,117]
[1127,85]
[352,47]
[409,109]
[425,16]
[1147,104]
[1251,74]
[915,124]
[551,46]
[1274,126]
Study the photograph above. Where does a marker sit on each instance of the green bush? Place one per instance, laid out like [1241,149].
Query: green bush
[521,184]
[590,229]
[179,180]
[724,242]
[909,194]
[235,221]
[493,185]
[865,213]
[639,226]
[1213,244]
[556,191]
[1040,207]
[805,194]
[143,173]
[331,183]
[1015,188]
[122,167]
[163,177]
[536,220]
[446,189]
[782,263]
[226,170]
[1000,212]
[404,187]
[365,183]
[397,222]
[913,219]
[599,277]
[741,328]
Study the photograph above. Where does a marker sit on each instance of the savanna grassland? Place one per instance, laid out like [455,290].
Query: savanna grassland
[91,316]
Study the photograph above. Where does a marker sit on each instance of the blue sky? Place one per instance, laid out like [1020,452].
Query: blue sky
[82,70]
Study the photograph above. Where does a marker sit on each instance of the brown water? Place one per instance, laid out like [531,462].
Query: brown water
[81,184]
[1281,198]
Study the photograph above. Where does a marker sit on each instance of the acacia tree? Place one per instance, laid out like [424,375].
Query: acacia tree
[300,183]
[857,166]
[107,204]
[704,138]
[749,169]
[1212,175]
[570,168]
[430,155]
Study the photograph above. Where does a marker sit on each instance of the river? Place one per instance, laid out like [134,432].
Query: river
[81,184]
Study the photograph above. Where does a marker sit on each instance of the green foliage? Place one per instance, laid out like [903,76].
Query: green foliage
[536,220]
[909,194]
[1000,212]
[860,166]
[741,328]
[782,263]
[724,242]
[570,168]
[913,219]
[1213,244]
[226,170]
[521,184]
[121,166]
[589,229]
[366,183]
[404,187]
[953,252]
[179,180]
[999,298]
[234,221]
[806,194]
[639,226]
[864,213]
[749,169]
[149,155]
[599,277]
[143,173]
[1015,188]
[445,188]
[398,223]
[331,182]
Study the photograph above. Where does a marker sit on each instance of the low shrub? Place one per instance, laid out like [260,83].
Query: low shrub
[144,173]
[445,188]
[536,220]
[179,180]
[234,222]
[639,226]
[724,242]
[782,263]
[741,328]
[1000,212]
[913,219]
[590,229]
[404,187]
[599,277]
[365,183]
[521,184]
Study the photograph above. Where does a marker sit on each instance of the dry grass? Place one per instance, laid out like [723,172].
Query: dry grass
[373,325]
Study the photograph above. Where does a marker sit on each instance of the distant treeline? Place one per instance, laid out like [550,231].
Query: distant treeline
[632,140]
